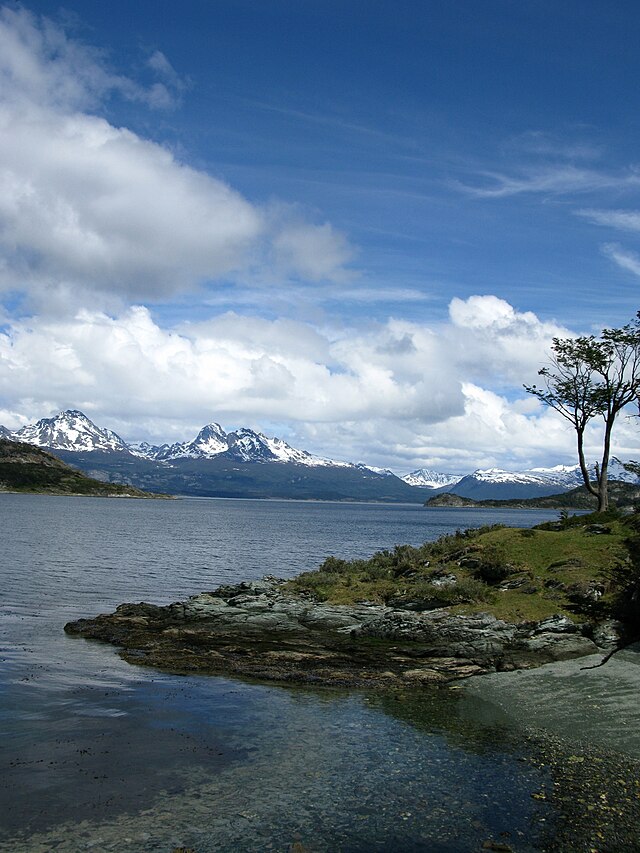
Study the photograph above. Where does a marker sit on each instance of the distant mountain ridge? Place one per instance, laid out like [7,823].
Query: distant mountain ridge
[223,463]
[72,430]
[238,464]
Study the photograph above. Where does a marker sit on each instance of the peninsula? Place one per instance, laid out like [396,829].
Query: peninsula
[29,469]
[492,599]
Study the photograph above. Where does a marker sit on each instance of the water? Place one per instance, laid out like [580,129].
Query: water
[97,754]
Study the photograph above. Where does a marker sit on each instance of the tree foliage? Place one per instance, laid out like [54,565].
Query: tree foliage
[593,377]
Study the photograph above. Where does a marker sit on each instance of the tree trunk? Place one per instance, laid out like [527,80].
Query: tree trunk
[603,492]
[583,465]
[603,473]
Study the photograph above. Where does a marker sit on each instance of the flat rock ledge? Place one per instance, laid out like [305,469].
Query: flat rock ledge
[258,630]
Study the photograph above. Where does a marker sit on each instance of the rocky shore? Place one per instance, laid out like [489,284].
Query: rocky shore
[260,630]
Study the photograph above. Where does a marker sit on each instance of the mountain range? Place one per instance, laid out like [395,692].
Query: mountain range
[246,463]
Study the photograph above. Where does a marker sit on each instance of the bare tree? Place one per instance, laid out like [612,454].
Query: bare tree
[591,378]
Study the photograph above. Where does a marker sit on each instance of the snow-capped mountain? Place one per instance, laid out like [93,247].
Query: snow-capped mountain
[73,431]
[70,430]
[498,475]
[567,476]
[427,479]
[384,472]
[244,444]
[214,464]
[4,432]
[210,441]
[570,476]
[496,484]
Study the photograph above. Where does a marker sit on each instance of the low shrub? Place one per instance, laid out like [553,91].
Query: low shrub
[493,567]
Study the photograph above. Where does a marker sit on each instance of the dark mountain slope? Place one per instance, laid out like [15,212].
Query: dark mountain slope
[27,468]
[227,477]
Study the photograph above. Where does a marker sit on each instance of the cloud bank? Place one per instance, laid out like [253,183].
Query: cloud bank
[396,393]
[87,207]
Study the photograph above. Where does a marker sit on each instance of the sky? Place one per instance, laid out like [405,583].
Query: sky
[354,225]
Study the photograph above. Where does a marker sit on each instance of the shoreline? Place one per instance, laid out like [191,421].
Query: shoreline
[258,630]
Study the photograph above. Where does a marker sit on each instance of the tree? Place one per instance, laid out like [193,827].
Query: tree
[591,378]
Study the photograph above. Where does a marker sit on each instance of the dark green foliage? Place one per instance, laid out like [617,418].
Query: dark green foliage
[566,521]
[407,574]
[494,566]
[465,590]
[26,468]
[333,565]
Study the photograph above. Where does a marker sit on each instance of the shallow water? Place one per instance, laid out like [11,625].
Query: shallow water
[97,754]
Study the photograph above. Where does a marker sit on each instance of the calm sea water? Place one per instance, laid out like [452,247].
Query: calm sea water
[97,754]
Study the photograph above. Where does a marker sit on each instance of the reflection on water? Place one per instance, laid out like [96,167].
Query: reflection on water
[221,765]
[94,752]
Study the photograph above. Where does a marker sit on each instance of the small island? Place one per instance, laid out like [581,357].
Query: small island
[621,494]
[478,601]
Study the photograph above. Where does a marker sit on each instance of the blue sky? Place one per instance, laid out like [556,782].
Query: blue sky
[357,224]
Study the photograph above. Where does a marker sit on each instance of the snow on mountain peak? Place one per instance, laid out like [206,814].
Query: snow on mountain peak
[498,475]
[73,431]
[425,478]
[211,440]
[70,430]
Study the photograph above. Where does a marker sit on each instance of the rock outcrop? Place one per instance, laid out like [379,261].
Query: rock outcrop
[259,630]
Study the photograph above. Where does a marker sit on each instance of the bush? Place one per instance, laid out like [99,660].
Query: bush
[493,567]
[430,596]
[334,566]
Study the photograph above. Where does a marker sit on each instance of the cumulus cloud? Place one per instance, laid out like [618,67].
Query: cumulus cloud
[496,340]
[281,370]
[396,394]
[81,201]
[87,207]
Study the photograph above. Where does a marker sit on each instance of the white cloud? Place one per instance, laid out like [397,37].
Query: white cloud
[312,252]
[551,180]
[84,202]
[626,220]
[396,394]
[629,261]
[86,207]
[549,145]
[40,64]
[494,340]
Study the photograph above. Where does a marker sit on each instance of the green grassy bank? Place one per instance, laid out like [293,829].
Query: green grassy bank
[585,567]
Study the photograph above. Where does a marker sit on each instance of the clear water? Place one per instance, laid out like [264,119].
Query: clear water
[97,754]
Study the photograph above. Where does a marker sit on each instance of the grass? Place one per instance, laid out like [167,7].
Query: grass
[516,574]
